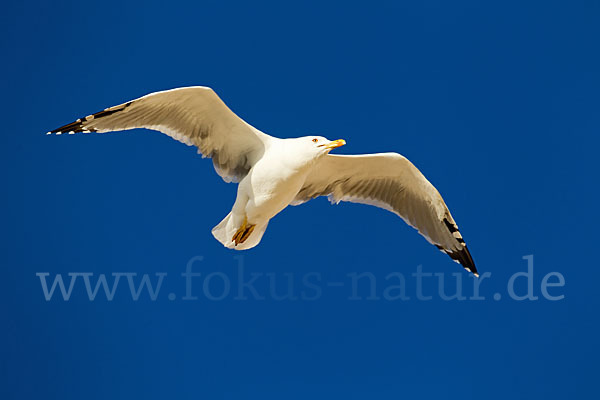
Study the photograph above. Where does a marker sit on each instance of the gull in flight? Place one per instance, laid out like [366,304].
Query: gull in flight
[273,173]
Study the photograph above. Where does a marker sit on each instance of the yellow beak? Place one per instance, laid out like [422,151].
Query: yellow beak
[334,144]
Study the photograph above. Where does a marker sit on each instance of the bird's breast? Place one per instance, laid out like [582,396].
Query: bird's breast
[266,179]
[271,187]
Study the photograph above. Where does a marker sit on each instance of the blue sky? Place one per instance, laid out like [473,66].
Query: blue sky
[496,102]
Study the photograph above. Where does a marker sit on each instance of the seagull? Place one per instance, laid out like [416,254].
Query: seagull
[273,173]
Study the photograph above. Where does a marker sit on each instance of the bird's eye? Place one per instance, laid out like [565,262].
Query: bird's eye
[315,140]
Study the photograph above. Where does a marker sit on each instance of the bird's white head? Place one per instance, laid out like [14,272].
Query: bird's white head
[305,150]
[318,145]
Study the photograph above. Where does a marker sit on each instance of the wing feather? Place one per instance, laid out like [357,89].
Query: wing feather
[391,182]
[195,116]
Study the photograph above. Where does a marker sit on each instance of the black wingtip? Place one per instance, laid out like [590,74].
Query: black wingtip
[74,127]
[81,126]
[464,258]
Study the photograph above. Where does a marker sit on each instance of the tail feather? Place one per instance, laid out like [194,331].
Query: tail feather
[225,230]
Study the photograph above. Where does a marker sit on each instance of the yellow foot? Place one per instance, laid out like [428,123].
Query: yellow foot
[243,233]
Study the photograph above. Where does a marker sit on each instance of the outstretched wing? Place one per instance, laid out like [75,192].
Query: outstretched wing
[192,115]
[391,182]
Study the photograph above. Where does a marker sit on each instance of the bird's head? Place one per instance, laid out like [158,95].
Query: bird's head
[305,150]
[319,145]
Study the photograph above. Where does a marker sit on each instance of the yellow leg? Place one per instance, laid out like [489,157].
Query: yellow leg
[243,233]
[247,233]
[237,236]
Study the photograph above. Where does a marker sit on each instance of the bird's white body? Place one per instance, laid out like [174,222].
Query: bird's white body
[271,184]
[268,188]
[274,173]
